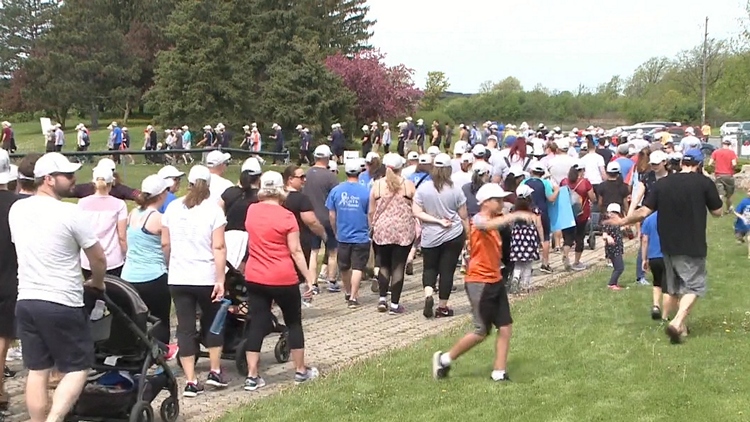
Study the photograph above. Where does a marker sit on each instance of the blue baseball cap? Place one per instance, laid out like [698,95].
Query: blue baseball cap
[692,156]
[510,140]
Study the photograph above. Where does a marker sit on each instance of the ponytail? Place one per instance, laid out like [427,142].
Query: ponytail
[392,180]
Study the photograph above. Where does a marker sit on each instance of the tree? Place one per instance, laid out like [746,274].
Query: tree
[690,63]
[382,92]
[22,24]
[337,25]
[435,86]
[647,75]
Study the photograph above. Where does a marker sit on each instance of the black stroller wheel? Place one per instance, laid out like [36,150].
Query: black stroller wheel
[240,359]
[142,412]
[170,409]
[281,351]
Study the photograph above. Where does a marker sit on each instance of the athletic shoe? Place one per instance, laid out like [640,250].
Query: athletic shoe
[409,268]
[566,263]
[353,304]
[655,313]
[546,269]
[578,267]
[382,305]
[399,309]
[8,373]
[438,370]
[310,374]
[216,379]
[642,282]
[347,297]
[254,383]
[429,304]
[614,287]
[443,312]
[374,285]
[192,389]
[505,378]
[315,289]
[333,287]
[171,352]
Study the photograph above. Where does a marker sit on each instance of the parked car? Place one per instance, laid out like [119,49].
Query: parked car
[730,128]
[664,124]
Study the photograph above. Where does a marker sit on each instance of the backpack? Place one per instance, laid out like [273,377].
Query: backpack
[86,139]
[576,201]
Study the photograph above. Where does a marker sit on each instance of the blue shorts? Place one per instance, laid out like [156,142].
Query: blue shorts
[331,243]
[546,227]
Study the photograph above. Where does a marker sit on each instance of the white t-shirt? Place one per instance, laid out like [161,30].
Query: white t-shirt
[690,142]
[461,178]
[408,171]
[191,257]
[593,163]
[217,186]
[455,165]
[559,166]
[49,235]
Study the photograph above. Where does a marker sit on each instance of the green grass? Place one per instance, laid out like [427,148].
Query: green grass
[579,353]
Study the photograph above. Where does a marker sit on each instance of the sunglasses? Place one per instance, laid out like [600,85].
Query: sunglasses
[301,177]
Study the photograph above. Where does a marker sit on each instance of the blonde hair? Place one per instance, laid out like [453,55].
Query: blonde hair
[102,186]
[279,194]
[197,193]
[392,180]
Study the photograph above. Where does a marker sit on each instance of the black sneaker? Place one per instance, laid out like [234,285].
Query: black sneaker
[192,389]
[438,370]
[443,312]
[382,305]
[454,288]
[254,383]
[655,313]
[353,304]
[316,289]
[429,304]
[347,297]
[8,373]
[546,269]
[409,268]
[216,379]
[505,378]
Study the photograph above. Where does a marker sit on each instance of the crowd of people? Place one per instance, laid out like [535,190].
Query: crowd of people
[486,206]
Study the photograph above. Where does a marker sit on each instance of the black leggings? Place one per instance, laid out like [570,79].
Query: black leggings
[260,298]
[392,265]
[575,235]
[659,271]
[186,298]
[441,260]
[155,294]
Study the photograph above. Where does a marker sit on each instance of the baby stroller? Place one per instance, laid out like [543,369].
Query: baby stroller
[119,387]
[593,227]
[237,322]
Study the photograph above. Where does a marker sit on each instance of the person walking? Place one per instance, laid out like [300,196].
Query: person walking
[724,159]
[8,275]
[581,187]
[52,323]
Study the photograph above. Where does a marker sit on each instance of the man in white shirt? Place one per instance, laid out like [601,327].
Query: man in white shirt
[216,161]
[412,159]
[559,165]
[463,175]
[458,151]
[52,323]
[593,164]
[690,141]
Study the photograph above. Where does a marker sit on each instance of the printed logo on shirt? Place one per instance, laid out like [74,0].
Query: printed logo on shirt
[349,201]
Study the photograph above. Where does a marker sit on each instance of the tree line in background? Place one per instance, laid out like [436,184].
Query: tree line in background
[302,61]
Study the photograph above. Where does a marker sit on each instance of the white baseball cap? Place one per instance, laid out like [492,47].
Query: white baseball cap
[442,160]
[524,191]
[613,167]
[217,158]
[412,155]
[481,168]
[353,166]
[103,173]
[490,191]
[538,168]
[393,161]
[425,159]
[563,144]
[322,151]
[371,156]
[170,172]
[516,171]
[252,166]
[5,167]
[54,162]
[13,173]
[578,164]
[614,208]
[657,157]
[333,165]
[479,150]
[155,184]
[433,150]
[271,180]
[467,158]
[107,163]
[199,172]
[459,149]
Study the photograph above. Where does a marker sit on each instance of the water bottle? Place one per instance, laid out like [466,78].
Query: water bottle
[98,312]
[220,317]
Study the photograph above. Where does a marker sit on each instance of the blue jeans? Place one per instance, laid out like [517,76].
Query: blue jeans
[618,267]
[639,273]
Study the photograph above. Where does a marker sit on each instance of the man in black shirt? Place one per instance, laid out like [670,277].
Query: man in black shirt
[612,190]
[603,150]
[681,200]
[8,273]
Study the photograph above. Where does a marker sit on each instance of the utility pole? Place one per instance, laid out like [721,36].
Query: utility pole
[704,75]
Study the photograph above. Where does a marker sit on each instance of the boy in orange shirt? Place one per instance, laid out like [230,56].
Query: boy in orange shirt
[484,285]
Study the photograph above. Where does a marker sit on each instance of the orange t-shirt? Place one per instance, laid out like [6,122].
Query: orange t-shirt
[723,161]
[486,255]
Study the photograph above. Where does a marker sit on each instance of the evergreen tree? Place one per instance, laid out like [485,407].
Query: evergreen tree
[22,23]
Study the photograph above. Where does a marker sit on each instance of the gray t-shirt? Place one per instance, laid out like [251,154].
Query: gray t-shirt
[442,205]
[319,183]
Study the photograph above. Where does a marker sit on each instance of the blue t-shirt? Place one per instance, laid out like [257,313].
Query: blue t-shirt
[743,209]
[542,190]
[648,228]
[117,132]
[417,177]
[365,179]
[625,165]
[350,200]
[170,197]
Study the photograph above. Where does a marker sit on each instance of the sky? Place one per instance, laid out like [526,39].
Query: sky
[589,41]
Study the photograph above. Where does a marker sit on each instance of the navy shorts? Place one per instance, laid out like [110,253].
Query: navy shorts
[54,335]
[546,227]
[331,243]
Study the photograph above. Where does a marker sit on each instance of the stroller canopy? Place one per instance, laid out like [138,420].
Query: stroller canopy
[124,296]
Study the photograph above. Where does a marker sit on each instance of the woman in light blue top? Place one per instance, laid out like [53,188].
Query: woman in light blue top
[145,263]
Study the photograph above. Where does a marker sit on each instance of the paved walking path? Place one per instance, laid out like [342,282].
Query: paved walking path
[335,338]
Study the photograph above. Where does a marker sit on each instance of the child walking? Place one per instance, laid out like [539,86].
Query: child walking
[653,260]
[525,242]
[613,246]
[742,224]
[484,285]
